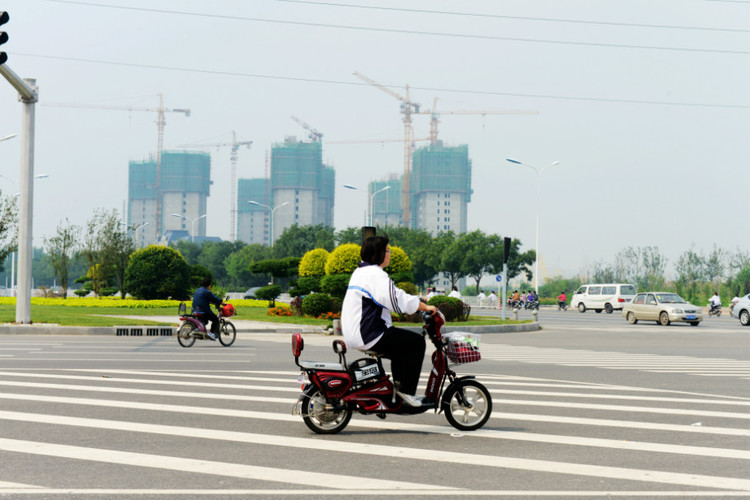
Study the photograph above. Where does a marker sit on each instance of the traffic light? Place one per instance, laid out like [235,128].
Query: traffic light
[4,18]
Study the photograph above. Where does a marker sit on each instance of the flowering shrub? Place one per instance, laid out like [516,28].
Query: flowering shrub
[121,303]
[280,311]
[329,316]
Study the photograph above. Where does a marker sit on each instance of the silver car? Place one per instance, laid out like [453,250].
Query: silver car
[662,307]
[741,310]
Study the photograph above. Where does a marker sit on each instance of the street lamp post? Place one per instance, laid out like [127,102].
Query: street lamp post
[370,201]
[252,202]
[538,196]
[135,230]
[192,222]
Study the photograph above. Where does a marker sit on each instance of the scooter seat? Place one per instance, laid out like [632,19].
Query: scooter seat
[317,365]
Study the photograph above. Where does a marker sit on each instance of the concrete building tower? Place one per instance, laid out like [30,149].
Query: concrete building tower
[299,178]
[441,188]
[252,220]
[185,186]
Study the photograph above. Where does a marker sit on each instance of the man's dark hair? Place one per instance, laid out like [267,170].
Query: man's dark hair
[373,250]
[206,282]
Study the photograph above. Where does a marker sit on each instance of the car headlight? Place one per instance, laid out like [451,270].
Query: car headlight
[677,311]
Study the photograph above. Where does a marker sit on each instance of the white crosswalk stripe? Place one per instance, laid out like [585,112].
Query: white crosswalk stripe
[655,363]
[83,400]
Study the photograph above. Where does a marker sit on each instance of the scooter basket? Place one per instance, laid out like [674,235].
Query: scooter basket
[462,348]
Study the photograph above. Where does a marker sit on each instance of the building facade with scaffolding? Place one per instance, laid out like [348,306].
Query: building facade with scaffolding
[184,188]
[440,185]
[300,191]
[252,220]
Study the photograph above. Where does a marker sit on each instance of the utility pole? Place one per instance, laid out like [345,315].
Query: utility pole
[28,95]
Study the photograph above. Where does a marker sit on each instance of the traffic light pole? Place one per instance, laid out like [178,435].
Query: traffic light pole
[28,96]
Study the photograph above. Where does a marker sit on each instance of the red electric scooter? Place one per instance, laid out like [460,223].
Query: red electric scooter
[335,390]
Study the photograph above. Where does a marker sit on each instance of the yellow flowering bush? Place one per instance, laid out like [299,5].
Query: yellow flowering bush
[120,303]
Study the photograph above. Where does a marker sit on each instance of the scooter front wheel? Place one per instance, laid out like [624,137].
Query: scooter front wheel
[467,405]
[185,335]
[321,416]
[228,334]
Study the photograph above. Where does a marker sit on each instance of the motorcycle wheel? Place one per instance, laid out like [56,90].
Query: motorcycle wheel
[318,415]
[228,334]
[476,409]
[185,335]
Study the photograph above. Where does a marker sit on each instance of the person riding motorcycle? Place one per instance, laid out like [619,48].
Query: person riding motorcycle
[715,302]
[366,318]
[561,299]
[202,300]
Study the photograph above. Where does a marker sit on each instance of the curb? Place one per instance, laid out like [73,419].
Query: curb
[167,331]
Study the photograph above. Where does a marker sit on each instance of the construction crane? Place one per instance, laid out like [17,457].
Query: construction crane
[434,116]
[313,134]
[408,108]
[235,145]
[377,141]
[160,123]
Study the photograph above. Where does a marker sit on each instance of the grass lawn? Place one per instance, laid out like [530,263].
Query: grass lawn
[99,316]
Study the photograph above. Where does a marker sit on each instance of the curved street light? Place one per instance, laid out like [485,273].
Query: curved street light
[252,202]
[192,221]
[538,183]
[9,136]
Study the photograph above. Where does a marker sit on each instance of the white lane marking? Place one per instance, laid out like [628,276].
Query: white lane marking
[485,433]
[107,493]
[294,389]
[290,476]
[335,446]
[6,484]
[518,402]
[504,416]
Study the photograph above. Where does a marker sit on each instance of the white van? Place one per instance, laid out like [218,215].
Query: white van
[604,297]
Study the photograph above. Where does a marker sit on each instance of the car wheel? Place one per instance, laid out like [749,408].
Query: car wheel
[581,307]
[632,319]
[745,317]
[608,308]
[664,319]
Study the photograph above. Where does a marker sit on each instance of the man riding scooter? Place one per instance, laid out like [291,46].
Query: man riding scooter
[202,300]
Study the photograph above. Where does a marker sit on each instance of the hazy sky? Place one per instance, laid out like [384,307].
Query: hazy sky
[645,104]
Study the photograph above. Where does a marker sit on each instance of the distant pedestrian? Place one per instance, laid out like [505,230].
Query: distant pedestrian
[481,296]
[493,300]
[455,293]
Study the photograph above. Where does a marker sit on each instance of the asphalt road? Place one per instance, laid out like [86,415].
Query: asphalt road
[587,407]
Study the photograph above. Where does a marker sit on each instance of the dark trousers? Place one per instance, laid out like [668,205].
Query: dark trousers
[405,349]
[214,319]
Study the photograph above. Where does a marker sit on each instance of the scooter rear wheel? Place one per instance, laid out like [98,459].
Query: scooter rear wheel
[475,410]
[228,334]
[320,416]
[185,335]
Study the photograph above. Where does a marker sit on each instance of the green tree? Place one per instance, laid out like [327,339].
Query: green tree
[277,268]
[238,266]
[295,241]
[118,246]
[158,272]
[213,256]
[349,235]
[61,250]
[477,250]
[191,251]
[8,225]
[453,258]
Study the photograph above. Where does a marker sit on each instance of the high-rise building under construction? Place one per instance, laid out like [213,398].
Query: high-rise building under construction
[184,188]
[300,191]
[440,185]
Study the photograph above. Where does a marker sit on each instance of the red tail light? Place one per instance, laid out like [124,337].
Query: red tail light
[620,299]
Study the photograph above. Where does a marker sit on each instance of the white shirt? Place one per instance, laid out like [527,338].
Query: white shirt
[455,293]
[715,300]
[367,307]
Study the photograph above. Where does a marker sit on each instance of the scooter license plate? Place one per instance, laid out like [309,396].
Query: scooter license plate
[690,316]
